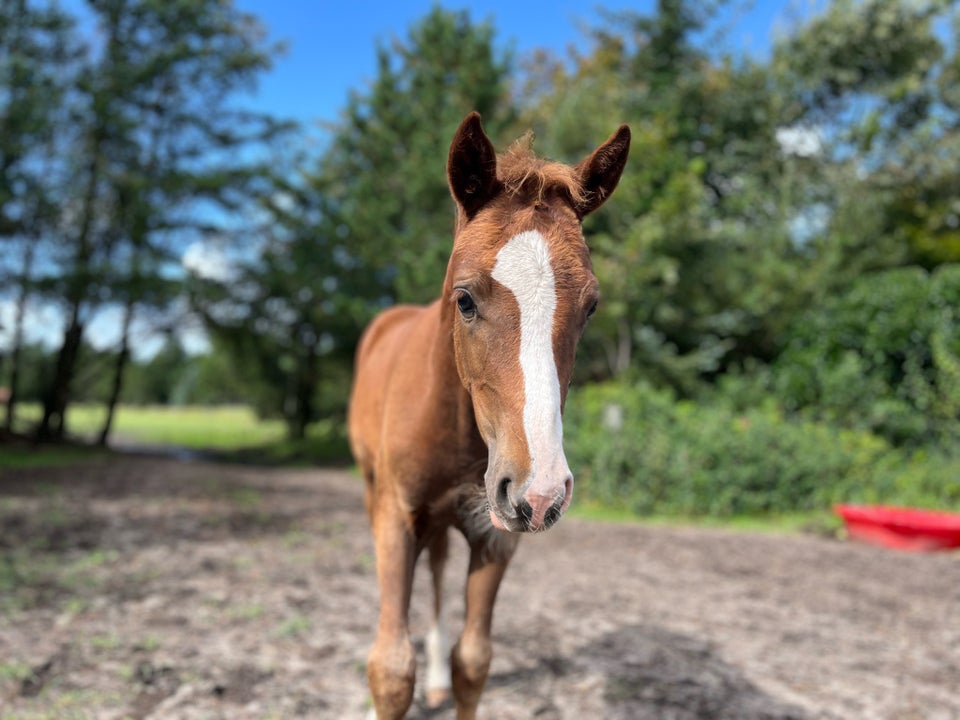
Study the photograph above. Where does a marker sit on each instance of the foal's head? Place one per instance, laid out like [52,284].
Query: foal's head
[522,285]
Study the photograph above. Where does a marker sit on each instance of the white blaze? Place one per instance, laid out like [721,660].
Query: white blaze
[523,266]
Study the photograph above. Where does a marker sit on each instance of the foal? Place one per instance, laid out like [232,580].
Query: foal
[455,414]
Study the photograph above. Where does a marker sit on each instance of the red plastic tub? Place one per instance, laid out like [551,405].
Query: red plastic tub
[902,528]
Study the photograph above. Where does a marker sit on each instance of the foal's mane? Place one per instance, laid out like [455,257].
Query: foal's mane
[531,179]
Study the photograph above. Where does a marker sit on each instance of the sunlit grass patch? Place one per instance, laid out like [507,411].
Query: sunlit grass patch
[233,431]
[226,427]
[212,428]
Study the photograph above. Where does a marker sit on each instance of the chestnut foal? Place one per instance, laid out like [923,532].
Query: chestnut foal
[455,414]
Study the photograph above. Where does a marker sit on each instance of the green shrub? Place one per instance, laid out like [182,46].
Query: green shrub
[883,357]
[639,449]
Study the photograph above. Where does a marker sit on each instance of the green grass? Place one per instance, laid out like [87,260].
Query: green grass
[221,428]
[294,627]
[233,431]
[218,428]
[28,456]
[820,522]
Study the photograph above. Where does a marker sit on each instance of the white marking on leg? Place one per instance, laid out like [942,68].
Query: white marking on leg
[438,657]
[523,266]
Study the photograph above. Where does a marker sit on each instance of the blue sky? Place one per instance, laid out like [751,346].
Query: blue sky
[331,43]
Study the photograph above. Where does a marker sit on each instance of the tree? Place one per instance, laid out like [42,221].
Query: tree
[160,147]
[384,171]
[366,224]
[36,53]
[291,313]
[877,79]
[883,355]
[695,257]
[164,379]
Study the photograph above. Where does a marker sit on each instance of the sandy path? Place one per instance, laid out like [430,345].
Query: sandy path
[152,588]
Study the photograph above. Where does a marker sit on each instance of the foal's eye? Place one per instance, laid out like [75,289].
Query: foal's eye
[466,305]
[591,310]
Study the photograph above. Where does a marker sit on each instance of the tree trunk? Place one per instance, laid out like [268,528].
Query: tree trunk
[123,357]
[57,398]
[306,385]
[15,351]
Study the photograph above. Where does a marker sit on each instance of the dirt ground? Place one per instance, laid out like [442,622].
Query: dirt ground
[155,588]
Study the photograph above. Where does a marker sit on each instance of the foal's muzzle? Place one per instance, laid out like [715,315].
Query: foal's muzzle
[529,511]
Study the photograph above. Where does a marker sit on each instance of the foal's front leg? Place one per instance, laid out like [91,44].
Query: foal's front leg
[438,648]
[391,665]
[472,654]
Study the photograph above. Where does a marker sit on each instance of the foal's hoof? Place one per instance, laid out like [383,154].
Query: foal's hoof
[437,697]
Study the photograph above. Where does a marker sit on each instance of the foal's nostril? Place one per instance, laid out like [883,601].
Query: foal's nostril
[503,493]
[524,511]
[553,514]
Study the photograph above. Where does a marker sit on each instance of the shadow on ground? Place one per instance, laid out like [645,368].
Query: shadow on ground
[653,674]
[648,673]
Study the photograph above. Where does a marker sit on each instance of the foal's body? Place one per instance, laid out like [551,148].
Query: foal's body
[455,411]
[433,454]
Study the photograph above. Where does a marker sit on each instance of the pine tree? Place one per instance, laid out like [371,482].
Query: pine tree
[385,169]
[36,55]
[159,146]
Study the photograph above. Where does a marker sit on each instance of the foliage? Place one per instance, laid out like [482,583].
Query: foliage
[137,140]
[876,79]
[779,267]
[37,51]
[883,356]
[384,172]
[641,449]
[289,316]
[366,224]
[695,255]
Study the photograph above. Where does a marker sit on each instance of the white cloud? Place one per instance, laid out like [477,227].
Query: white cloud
[103,332]
[207,260]
[283,201]
[800,141]
[809,222]
[42,323]
[146,340]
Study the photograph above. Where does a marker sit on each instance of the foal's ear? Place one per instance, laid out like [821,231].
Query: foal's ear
[472,166]
[600,173]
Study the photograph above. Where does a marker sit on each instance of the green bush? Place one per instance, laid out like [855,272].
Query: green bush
[883,357]
[639,449]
